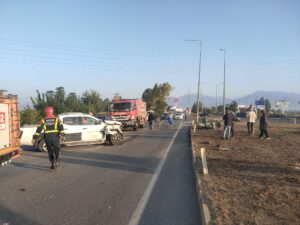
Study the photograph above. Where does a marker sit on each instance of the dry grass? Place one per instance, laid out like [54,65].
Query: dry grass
[255,181]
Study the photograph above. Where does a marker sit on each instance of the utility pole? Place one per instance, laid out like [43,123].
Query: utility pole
[200,42]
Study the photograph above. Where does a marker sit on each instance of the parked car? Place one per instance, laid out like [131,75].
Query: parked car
[82,129]
[102,116]
[164,116]
[179,116]
[241,115]
[204,114]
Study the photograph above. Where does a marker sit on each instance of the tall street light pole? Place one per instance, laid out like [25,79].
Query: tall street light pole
[224,50]
[200,42]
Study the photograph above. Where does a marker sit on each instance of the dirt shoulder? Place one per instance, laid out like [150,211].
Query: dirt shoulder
[254,181]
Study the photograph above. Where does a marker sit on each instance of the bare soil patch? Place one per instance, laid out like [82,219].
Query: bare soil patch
[255,181]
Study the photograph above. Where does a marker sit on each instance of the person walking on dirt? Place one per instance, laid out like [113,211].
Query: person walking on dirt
[263,125]
[53,131]
[228,119]
[151,119]
[251,117]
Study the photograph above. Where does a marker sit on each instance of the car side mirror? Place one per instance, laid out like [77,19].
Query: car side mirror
[98,122]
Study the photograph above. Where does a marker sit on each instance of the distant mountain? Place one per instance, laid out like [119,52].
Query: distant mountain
[273,96]
[293,98]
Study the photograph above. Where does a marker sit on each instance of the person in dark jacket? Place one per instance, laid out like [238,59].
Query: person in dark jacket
[53,131]
[263,125]
[151,118]
[228,119]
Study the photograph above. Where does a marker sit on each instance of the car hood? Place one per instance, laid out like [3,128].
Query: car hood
[112,122]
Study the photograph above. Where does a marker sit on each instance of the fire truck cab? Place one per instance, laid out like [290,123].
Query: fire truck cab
[130,112]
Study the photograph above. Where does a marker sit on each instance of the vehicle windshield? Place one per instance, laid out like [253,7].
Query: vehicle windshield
[119,107]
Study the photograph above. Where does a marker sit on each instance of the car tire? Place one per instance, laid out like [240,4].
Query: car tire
[42,146]
[114,139]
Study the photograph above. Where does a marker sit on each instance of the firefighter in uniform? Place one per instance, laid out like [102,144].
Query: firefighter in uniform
[53,132]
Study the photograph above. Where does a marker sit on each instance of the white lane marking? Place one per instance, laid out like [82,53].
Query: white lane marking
[136,216]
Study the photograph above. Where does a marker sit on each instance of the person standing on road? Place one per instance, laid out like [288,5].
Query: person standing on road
[53,131]
[263,125]
[151,119]
[251,117]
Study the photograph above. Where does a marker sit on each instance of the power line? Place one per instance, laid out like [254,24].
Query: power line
[51,54]
[110,66]
[78,49]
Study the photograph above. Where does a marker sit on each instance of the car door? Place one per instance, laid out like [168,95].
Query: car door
[91,129]
[73,128]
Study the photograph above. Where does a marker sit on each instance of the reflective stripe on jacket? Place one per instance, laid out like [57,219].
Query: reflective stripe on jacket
[52,128]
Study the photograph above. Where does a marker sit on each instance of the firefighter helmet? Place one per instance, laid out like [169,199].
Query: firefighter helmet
[49,111]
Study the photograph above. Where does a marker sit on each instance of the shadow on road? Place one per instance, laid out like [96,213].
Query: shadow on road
[10,217]
[29,148]
[102,160]
[32,166]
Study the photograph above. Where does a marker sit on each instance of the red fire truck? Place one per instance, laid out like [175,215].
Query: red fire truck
[9,128]
[130,112]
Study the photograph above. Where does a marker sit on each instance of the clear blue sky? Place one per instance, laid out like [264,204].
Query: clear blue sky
[127,46]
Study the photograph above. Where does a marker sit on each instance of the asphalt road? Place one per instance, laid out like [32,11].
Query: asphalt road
[148,179]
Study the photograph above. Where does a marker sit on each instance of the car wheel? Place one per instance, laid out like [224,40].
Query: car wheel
[114,139]
[42,146]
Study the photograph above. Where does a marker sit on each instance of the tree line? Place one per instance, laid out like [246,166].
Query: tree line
[88,102]
[91,101]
